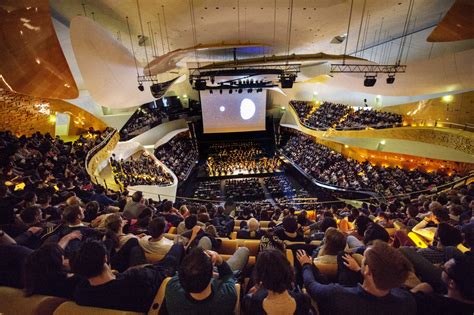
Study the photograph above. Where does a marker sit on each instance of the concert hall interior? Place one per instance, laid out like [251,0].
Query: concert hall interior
[236,157]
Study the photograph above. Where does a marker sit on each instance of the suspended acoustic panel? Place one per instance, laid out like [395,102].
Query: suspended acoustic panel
[169,60]
[32,61]
[456,25]
[107,67]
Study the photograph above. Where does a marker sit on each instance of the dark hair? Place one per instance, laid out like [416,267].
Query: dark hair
[449,235]
[412,211]
[375,232]
[195,271]
[29,196]
[441,214]
[190,221]
[167,206]
[91,211]
[137,196]
[89,260]
[157,227]
[113,223]
[29,214]
[388,266]
[462,273]
[42,267]
[327,223]
[361,223]
[290,224]
[274,271]
[71,213]
[99,189]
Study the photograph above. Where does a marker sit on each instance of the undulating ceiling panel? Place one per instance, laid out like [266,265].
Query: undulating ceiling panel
[107,67]
[32,61]
[457,24]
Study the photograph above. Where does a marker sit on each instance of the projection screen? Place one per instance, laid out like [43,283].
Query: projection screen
[236,112]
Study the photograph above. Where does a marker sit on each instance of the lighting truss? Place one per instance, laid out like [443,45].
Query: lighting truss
[363,68]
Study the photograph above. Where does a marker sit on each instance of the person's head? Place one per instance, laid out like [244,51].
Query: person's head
[384,266]
[190,221]
[434,205]
[31,215]
[137,196]
[91,211]
[253,225]
[302,218]
[441,215]
[334,242]
[448,235]
[167,206]
[73,214]
[91,259]
[375,232]
[361,224]
[458,275]
[327,223]
[157,227]
[183,210]
[412,211]
[73,200]
[114,223]
[273,271]
[144,217]
[99,189]
[43,266]
[195,272]
[30,198]
[290,224]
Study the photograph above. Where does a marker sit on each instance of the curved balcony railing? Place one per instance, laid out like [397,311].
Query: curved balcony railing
[93,157]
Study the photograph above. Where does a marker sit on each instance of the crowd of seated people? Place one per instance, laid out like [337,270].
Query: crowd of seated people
[244,189]
[62,236]
[330,167]
[362,118]
[209,189]
[179,155]
[339,116]
[240,158]
[141,170]
[142,120]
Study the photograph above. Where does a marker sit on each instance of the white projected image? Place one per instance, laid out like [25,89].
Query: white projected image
[236,112]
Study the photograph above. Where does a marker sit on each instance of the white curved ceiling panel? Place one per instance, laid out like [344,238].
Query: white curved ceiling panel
[107,67]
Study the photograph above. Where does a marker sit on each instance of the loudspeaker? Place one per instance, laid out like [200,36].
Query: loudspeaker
[286,83]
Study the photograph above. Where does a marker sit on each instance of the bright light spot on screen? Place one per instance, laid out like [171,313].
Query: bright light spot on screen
[222,108]
[247,109]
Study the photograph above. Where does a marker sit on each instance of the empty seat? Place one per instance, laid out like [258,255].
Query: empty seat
[13,301]
[71,308]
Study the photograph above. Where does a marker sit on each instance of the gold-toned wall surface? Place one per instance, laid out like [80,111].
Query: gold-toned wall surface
[25,115]
[455,108]
[32,61]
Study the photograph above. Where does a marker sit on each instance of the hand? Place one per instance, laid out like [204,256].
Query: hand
[351,263]
[35,230]
[215,257]
[305,228]
[254,288]
[74,235]
[303,258]
[141,235]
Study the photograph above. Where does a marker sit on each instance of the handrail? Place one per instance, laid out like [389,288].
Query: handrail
[406,123]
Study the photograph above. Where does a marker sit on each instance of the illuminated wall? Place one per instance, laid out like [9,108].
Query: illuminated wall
[25,115]
[455,108]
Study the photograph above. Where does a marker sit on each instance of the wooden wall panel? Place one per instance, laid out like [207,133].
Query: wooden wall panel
[24,115]
[32,61]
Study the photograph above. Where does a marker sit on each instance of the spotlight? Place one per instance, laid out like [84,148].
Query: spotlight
[200,85]
[220,91]
[370,81]
[390,79]
[210,91]
[249,90]
[240,91]
[230,91]
[212,80]
[287,81]
[141,87]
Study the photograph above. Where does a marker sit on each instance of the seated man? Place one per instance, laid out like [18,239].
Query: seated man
[384,270]
[156,243]
[195,291]
[458,276]
[133,290]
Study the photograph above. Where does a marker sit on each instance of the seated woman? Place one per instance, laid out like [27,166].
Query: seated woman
[273,292]
[124,249]
[334,242]
[252,232]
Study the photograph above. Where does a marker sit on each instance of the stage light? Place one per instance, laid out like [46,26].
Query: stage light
[220,91]
[240,91]
[141,87]
[230,91]
[370,81]
[249,90]
[210,91]
[390,79]
[212,80]
[200,85]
